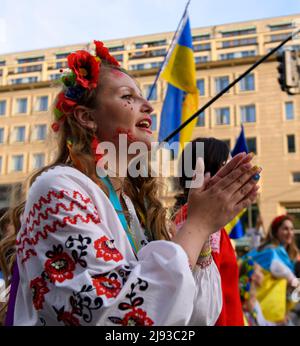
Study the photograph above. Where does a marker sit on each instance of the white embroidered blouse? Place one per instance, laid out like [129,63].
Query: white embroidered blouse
[77,266]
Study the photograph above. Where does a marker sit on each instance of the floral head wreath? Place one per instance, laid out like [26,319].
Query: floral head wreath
[246,272]
[82,75]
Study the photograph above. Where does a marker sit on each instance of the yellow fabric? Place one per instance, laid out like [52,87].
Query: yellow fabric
[228,228]
[180,71]
[246,324]
[272,297]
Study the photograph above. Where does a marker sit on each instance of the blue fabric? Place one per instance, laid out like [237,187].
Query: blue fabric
[237,231]
[241,144]
[171,113]
[186,37]
[266,256]
[1,275]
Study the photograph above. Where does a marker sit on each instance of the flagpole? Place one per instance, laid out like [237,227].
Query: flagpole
[215,98]
[171,45]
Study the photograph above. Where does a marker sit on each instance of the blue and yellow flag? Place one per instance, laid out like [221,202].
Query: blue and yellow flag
[182,97]
[235,228]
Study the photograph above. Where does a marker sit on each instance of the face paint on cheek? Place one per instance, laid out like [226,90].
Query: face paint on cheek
[117,73]
[121,131]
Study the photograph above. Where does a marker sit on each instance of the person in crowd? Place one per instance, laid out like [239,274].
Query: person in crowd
[95,249]
[218,247]
[277,256]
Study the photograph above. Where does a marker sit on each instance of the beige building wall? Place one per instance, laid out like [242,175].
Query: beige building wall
[243,43]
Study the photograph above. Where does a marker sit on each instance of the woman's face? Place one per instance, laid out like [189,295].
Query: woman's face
[122,109]
[285,233]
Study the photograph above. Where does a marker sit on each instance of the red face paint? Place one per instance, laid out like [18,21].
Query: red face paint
[130,136]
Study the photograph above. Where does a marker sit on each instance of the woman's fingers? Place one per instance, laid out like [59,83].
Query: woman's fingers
[245,191]
[244,181]
[246,202]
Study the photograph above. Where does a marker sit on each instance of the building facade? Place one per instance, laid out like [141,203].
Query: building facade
[270,116]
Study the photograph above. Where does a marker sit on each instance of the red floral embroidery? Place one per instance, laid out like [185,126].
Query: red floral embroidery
[64,104]
[106,250]
[110,287]
[39,289]
[86,67]
[137,317]
[68,319]
[60,267]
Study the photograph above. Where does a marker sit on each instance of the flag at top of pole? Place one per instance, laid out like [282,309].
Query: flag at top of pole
[182,97]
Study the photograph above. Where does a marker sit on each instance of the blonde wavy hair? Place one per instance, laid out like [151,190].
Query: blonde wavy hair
[142,191]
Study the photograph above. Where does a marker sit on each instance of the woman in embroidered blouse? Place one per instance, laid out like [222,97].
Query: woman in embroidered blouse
[77,260]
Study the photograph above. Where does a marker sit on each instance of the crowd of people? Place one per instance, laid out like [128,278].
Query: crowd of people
[87,249]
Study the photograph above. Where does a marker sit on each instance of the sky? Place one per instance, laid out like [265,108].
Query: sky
[36,24]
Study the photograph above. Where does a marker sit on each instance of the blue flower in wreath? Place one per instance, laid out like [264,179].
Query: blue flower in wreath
[75,93]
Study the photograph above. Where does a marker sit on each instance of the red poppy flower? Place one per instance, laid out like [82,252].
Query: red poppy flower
[86,68]
[137,317]
[64,104]
[108,287]
[68,319]
[39,289]
[60,267]
[107,250]
[103,53]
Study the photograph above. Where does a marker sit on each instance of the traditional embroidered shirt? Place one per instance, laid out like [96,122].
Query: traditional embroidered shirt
[77,266]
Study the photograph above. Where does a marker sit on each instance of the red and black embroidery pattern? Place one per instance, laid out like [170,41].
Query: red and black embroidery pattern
[136,316]
[82,307]
[106,249]
[109,286]
[39,289]
[60,266]
[42,218]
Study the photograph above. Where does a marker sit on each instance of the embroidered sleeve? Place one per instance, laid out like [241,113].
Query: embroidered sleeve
[77,268]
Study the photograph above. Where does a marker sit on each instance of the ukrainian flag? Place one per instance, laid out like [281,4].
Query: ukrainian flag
[235,227]
[182,97]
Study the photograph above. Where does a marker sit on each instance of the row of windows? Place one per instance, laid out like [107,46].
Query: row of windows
[252,144]
[18,134]
[247,114]
[17,162]
[237,55]
[21,105]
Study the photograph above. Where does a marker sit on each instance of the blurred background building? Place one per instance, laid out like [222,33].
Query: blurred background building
[270,116]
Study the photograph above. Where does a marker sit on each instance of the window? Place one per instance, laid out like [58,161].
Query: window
[251,144]
[296,177]
[221,83]
[284,26]
[118,57]
[279,37]
[2,107]
[227,56]
[201,47]
[24,80]
[20,133]
[201,86]
[289,110]
[2,63]
[239,32]
[34,59]
[242,42]
[201,37]
[201,120]
[38,161]
[41,132]
[223,116]
[291,143]
[42,104]
[116,49]
[248,114]
[154,122]
[236,55]
[62,55]
[247,83]
[1,135]
[55,76]
[201,59]
[147,90]
[61,64]
[30,68]
[17,163]
[21,105]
